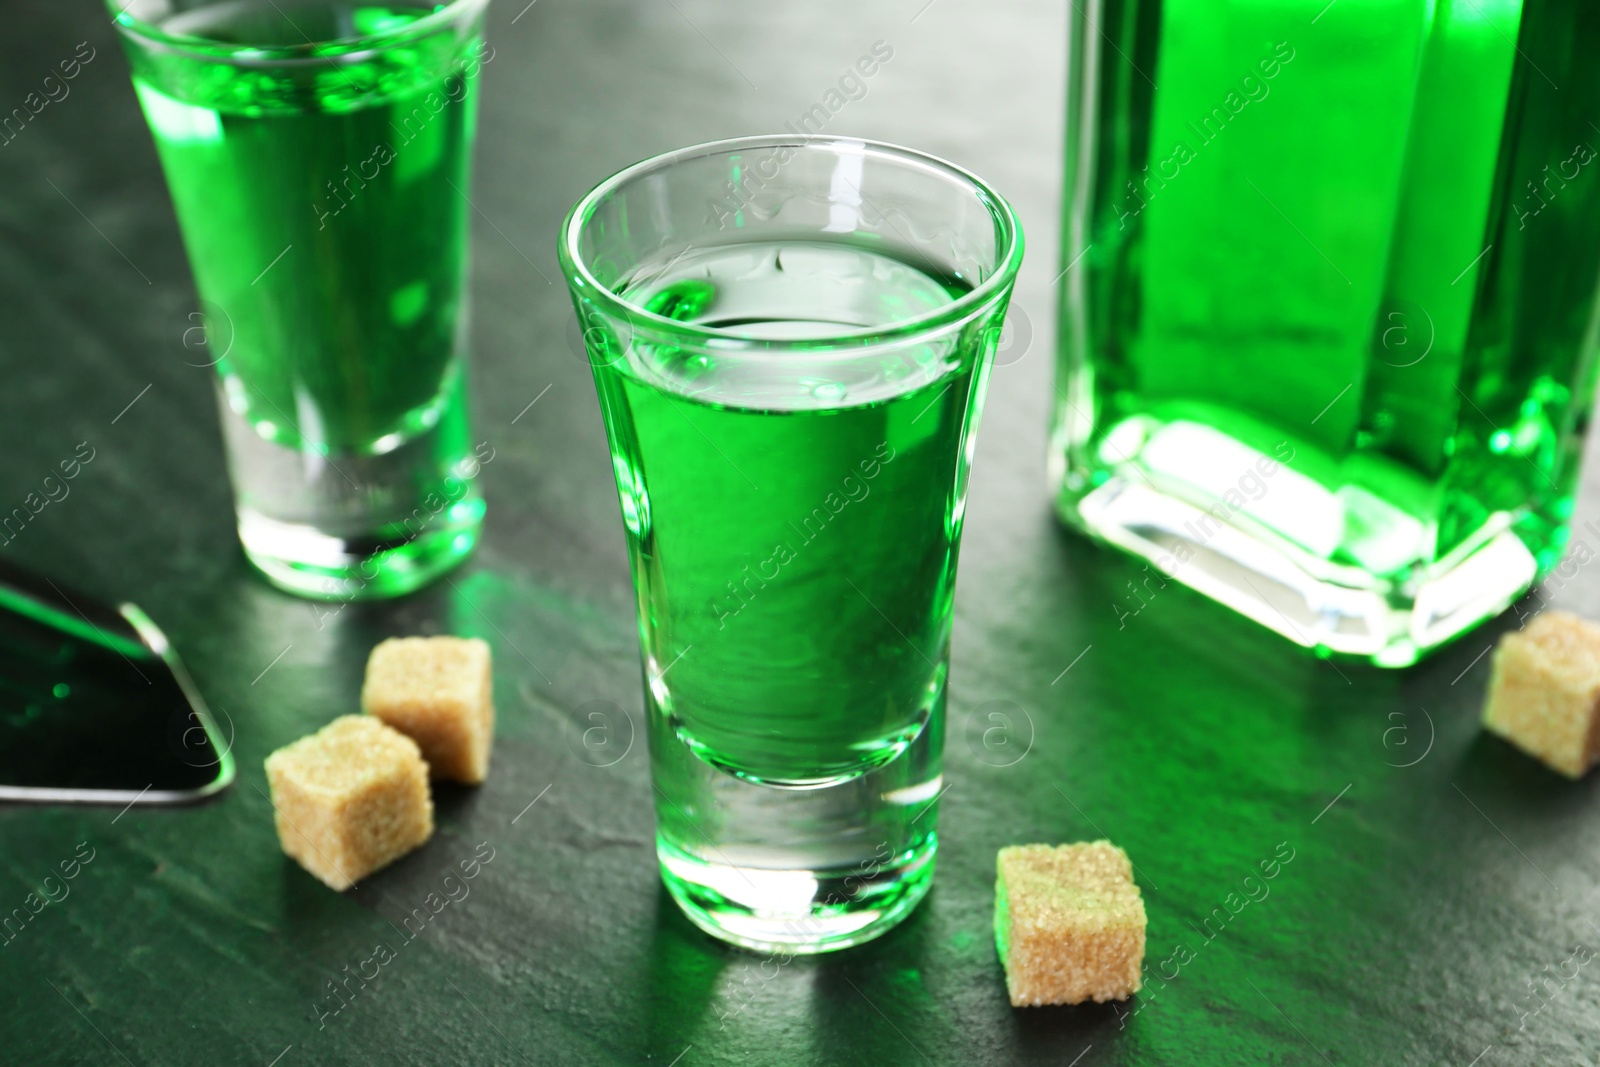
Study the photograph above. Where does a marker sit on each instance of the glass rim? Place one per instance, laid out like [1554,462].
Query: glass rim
[334,49]
[1008,256]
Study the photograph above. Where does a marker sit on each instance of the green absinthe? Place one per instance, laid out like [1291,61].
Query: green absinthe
[322,198]
[793,524]
[1326,356]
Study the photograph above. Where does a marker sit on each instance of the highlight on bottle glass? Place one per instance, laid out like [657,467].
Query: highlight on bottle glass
[790,338]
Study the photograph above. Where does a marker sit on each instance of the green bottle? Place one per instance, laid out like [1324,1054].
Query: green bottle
[1325,351]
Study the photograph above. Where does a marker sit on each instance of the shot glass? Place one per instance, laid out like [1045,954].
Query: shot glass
[790,338]
[318,153]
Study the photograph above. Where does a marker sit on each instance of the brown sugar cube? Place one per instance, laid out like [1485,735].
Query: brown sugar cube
[1069,923]
[1544,691]
[350,798]
[437,691]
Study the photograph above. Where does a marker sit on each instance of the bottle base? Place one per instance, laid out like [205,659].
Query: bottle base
[1334,609]
[796,912]
[307,562]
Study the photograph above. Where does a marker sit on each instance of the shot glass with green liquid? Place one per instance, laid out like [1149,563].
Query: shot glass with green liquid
[317,152]
[1327,345]
[790,338]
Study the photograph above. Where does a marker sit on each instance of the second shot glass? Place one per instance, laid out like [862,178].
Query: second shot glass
[318,157]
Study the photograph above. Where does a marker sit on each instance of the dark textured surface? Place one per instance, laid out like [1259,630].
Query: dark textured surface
[1408,928]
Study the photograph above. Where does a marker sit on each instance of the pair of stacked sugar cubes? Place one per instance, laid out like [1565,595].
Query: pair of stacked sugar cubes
[355,795]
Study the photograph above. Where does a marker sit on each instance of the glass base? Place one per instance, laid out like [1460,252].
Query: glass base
[307,562]
[356,526]
[796,912]
[1333,609]
[790,868]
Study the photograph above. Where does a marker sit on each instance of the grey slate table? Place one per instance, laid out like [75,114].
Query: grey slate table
[1435,876]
